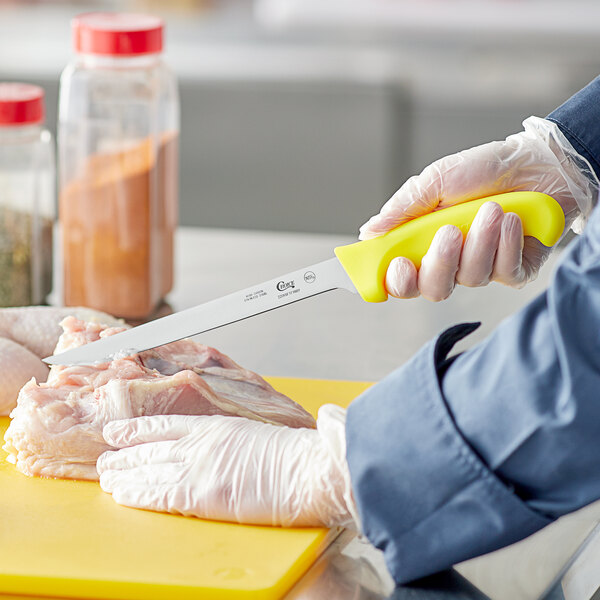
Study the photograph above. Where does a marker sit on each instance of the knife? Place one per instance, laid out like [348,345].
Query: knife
[359,267]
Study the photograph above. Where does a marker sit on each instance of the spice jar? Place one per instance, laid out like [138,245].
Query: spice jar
[118,161]
[27,196]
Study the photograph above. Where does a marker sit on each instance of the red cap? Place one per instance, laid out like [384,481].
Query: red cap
[21,103]
[117,34]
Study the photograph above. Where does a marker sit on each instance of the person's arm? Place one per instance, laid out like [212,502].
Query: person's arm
[579,121]
[451,458]
[578,118]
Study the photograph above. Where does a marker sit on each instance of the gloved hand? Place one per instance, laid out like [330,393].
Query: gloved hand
[232,469]
[539,158]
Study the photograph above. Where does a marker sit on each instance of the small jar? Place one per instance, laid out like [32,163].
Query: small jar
[27,196]
[118,136]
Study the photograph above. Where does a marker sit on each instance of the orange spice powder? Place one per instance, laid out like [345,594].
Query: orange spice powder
[118,220]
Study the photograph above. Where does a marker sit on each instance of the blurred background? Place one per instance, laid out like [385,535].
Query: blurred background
[304,115]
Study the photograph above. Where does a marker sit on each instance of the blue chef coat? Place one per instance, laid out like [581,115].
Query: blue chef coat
[454,457]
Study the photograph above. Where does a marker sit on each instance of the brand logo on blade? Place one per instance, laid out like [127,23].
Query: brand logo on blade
[284,285]
[309,277]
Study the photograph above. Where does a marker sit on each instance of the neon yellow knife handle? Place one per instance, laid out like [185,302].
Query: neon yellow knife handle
[366,262]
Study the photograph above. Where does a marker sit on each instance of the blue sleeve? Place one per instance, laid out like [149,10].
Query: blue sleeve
[424,495]
[579,119]
[452,458]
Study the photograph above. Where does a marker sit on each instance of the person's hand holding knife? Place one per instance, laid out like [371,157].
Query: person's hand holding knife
[536,159]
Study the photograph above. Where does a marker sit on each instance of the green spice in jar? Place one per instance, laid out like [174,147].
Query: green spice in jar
[25,258]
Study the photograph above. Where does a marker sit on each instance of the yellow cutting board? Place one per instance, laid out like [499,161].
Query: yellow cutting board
[69,539]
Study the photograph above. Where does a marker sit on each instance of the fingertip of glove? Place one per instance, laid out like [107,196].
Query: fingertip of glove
[512,220]
[401,278]
[106,480]
[447,242]
[113,432]
[489,214]
[512,229]
[103,459]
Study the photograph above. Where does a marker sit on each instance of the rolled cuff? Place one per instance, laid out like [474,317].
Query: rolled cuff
[579,120]
[423,494]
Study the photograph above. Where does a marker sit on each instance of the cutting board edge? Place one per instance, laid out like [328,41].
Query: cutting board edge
[72,588]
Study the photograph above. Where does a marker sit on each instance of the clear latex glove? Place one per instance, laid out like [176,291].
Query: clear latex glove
[539,158]
[232,469]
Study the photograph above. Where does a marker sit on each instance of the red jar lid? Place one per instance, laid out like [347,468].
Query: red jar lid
[21,103]
[117,34]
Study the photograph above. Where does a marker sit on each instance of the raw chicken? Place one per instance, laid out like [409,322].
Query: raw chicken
[57,426]
[38,327]
[28,334]
[17,366]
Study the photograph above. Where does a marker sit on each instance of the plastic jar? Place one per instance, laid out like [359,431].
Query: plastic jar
[27,196]
[118,137]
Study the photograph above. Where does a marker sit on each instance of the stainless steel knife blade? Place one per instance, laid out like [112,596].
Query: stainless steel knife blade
[286,289]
